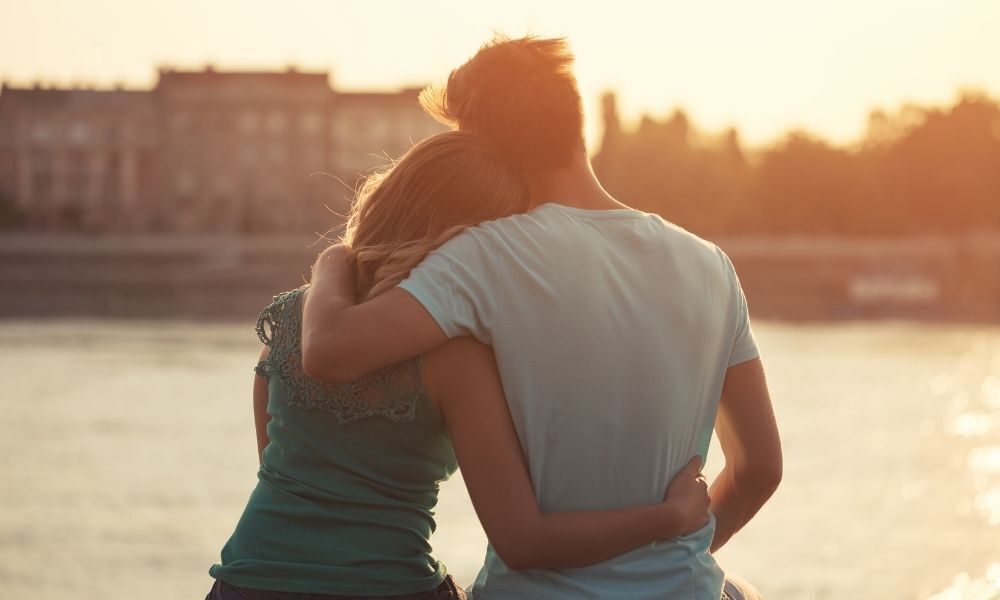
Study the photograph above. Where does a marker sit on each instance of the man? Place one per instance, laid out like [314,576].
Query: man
[620,339]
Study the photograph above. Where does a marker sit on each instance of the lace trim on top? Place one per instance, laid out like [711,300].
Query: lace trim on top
[390,392]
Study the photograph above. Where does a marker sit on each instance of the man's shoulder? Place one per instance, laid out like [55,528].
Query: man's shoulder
[510,225]
[469,239]
[512,232]
[474,243]
[489,233]
[685,240]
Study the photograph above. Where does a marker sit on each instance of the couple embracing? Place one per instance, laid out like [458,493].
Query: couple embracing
[492,307]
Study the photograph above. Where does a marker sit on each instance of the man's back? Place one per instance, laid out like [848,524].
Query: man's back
[613,331]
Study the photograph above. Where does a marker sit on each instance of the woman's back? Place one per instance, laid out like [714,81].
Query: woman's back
[348,482]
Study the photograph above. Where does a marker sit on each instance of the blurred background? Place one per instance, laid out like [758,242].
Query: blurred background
[165,168]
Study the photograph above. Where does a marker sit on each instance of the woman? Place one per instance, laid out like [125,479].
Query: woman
[349,473]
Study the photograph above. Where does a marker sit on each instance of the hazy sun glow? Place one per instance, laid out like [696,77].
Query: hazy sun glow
[763,66]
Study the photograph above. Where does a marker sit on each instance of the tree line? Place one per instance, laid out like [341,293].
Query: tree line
[919,170]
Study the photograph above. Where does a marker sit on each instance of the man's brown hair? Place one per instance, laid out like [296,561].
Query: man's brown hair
[521,95]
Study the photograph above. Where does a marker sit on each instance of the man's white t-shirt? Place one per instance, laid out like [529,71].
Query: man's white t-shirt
[613,330]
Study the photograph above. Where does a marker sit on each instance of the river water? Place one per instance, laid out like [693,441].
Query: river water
[127,453]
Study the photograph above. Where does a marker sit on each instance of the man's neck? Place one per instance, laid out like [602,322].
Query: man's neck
[574,185]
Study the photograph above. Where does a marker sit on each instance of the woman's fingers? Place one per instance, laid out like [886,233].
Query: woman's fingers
[693,468]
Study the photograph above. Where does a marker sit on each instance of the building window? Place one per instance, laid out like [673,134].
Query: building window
[276,153]
[181,122]
[361,125]
[79,133]
[380,128]
[221,123]
[76,177]
[115,133]
[143,130]
[222,186]
[311,123]
[276,122]
[41,131]
[249,122]
[185,183]
[314,158]
[111,185]
[248,154]
[41,176]
[433,128]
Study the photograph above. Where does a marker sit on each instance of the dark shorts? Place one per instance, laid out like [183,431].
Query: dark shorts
[448,590]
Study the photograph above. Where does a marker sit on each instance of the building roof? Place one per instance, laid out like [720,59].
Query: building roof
[406,95]
[73,98]
[235,83]
[289,76]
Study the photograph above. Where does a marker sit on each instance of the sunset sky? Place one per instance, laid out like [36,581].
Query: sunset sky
[764,66]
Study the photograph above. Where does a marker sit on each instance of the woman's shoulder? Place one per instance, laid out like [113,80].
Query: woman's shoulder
[283,314]
[390,392]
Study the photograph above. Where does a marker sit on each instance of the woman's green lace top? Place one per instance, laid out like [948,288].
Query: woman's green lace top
[344,503]
[390,392]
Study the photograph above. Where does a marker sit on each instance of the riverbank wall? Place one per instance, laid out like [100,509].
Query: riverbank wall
[233,277]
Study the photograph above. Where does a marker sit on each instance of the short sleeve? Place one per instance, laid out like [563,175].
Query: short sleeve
[454,284]
[744,346]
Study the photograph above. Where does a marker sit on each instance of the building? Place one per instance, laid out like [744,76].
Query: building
[203,151]
[77,158]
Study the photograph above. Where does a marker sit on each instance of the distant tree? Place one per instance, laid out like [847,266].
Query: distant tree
[944,174]
[805,185]
[659,169]
[916,171]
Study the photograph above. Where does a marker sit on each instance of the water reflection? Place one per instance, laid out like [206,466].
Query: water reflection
[119,437]
[975,416]
[965,587]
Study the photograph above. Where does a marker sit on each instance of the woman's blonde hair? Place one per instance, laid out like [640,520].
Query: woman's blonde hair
[442,185]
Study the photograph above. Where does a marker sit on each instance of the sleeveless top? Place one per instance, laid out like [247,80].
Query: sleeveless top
[348,483]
